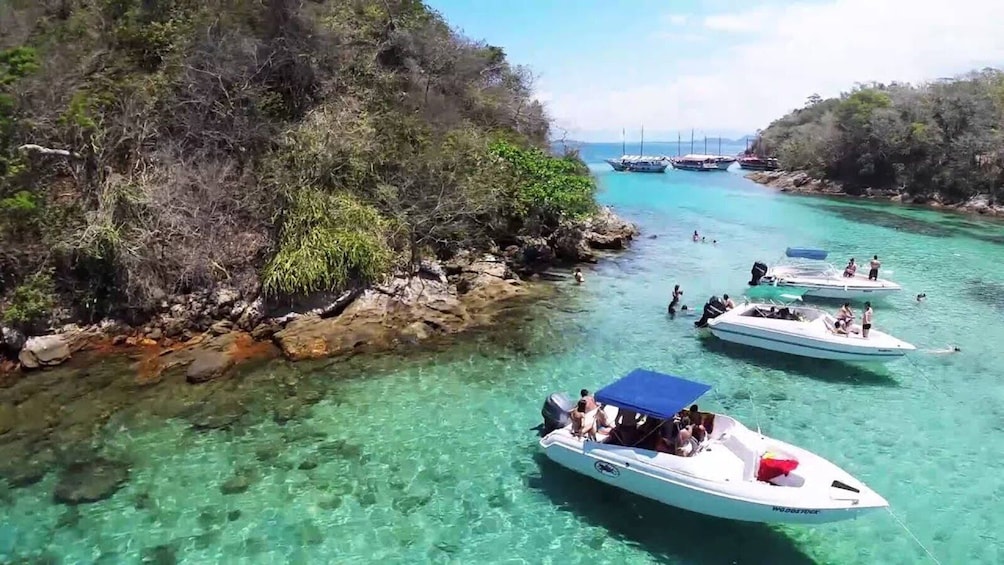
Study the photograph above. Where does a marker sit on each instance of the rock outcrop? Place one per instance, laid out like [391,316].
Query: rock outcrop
[207,330]
[407,309]
[800,182]
[44,351]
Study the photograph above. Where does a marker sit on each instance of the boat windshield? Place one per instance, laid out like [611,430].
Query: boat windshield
[805,268]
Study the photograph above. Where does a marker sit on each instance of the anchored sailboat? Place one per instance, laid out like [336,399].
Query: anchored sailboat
[638,163]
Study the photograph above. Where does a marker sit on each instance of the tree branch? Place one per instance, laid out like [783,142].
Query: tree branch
[47,151]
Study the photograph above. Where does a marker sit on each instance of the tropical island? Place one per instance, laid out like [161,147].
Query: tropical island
[938,144]
[330,176]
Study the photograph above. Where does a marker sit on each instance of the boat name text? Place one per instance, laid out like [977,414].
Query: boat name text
[794,510]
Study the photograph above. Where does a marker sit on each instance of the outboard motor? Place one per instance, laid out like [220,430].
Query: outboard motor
[714,308]
[757,272]
[555,411]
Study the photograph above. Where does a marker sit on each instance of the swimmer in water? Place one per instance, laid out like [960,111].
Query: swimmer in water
[578,276]
[952,349]
[921,297]
[695,236]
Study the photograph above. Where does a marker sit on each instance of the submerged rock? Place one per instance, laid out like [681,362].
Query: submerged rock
[90,481]
[44,351]
[208,365]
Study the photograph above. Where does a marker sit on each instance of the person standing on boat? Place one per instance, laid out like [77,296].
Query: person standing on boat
[866,319]
[677,293]
[873,272]
[851,268]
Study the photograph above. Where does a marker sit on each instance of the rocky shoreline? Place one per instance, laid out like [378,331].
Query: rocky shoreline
[207,333]
[800,182]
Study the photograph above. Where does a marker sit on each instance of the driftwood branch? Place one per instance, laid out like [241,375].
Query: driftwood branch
[47,151]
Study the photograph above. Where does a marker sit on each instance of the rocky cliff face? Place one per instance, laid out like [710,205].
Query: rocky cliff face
[801,182]
[210,331]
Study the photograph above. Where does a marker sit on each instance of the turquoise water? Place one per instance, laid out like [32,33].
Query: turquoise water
[432,457]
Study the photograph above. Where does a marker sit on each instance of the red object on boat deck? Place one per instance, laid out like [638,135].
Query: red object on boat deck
[771,467]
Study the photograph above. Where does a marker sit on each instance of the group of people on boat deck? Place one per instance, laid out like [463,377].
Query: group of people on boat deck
[845,319]
[873,268]
[684,434]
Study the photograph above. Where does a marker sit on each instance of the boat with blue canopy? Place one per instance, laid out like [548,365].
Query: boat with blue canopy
[650,446]
[803,268]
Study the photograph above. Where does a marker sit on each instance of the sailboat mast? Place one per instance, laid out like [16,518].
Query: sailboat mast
[705,145]
[678,144]
[719,144]
[642,150]
[623,148]
[691,140]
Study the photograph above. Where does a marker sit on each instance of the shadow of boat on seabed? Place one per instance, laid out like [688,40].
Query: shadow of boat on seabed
[670,535]
[824,370]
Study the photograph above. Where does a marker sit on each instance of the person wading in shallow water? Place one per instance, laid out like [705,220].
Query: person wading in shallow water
[579,279]
[677,293]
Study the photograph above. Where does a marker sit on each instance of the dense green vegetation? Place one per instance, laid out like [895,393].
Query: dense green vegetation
[940,140]
[155,146]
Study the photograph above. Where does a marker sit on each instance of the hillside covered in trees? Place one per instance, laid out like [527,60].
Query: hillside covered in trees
[941,141]
[152,147]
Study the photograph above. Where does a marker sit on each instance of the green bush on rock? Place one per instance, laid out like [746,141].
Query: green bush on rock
[31,302]
[327,242]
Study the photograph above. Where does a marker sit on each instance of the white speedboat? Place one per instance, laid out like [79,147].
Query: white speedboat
[805,270]
[805,331]
[735,473]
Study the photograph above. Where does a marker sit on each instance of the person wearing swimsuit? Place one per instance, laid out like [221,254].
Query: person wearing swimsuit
[866,319]
[677,293]
[873,272]
[851,268]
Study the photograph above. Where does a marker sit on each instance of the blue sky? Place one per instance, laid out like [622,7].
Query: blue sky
[721,66]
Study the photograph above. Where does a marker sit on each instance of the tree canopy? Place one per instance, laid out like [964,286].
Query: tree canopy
[943,139]
[157,146]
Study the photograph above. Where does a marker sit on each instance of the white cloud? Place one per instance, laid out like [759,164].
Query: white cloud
[677,19]
[788,53]
[741,22]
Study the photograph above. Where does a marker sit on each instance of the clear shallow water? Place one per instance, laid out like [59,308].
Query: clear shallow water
[432,458]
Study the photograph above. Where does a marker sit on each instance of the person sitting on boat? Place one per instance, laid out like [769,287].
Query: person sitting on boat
[851,268]
[729,303]
[700,436]
[694,413]
[684,447]
[590,401]
[582,425]
[845,314]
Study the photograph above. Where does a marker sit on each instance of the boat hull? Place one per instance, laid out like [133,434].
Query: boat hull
[816,349]
[849,292]
[683,491]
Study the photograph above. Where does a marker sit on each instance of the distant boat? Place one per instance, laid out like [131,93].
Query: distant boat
[697,162]
[638,163]
[754,163]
